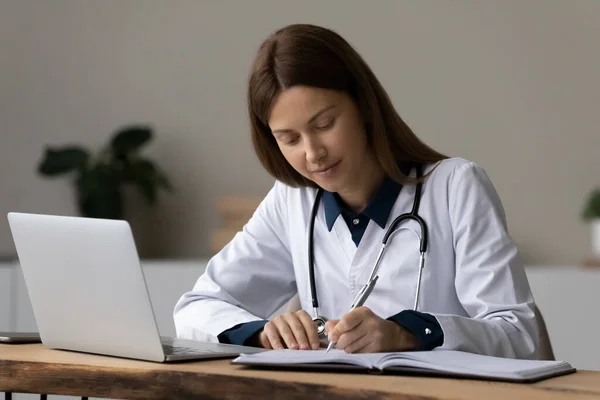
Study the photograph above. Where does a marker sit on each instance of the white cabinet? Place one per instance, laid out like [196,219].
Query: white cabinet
[166,283]
[567,296]
[5,299]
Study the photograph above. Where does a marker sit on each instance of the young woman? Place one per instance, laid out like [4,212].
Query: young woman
[346,166]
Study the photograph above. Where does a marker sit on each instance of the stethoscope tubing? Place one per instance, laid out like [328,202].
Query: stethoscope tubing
[423,244]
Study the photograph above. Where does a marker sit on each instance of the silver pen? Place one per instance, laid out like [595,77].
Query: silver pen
[359,300]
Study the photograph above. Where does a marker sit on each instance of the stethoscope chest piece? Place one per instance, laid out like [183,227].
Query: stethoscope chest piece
[320,324]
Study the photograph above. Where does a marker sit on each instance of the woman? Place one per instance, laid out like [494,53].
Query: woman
[321,119]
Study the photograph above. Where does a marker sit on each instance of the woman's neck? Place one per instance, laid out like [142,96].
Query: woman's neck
[358,196]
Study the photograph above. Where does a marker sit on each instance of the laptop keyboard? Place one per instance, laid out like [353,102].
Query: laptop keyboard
[178,350]
[171,346]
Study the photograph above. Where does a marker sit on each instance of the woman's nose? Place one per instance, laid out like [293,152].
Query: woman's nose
[315,151]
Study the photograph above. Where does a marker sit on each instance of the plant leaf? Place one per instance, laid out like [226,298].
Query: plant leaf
[143,173]
[59,161]
[130,138]
[591,209]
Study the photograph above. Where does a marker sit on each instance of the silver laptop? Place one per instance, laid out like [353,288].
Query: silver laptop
[88,291]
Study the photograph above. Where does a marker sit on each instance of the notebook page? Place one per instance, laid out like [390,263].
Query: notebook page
[291,357]
[476,364]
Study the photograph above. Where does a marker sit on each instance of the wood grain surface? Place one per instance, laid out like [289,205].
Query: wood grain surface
[33,368]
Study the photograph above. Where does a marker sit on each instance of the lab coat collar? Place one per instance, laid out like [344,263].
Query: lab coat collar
[378,209]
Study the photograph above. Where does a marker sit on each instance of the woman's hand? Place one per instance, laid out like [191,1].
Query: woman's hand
[361,331]
[292,330]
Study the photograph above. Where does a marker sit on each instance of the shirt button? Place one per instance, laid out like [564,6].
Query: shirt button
[427,331]
[355,221]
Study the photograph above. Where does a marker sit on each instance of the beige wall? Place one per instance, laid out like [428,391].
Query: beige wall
[512,85]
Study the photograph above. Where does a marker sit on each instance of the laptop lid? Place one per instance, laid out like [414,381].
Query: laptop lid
[86,285]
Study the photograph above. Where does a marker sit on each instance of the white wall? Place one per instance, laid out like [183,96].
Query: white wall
[510,84]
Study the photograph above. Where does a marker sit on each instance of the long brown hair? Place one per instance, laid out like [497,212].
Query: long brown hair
[310,55]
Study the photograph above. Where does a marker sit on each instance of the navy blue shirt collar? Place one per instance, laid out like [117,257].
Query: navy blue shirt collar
[378,209]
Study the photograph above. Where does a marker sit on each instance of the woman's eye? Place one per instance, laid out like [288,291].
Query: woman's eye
[326,124]
[290,142]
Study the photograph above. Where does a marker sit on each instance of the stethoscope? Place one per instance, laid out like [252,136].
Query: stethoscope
[318,320]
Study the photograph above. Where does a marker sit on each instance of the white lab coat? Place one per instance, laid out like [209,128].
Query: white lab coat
[474,281]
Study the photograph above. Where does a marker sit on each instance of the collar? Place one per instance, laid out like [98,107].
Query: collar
[378,209]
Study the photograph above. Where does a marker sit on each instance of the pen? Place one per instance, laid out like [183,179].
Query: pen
[359,300]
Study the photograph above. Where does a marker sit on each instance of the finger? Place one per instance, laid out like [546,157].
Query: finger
[352,319]
[263,340]
[363,344]
[298,330]
[349,322]
[348,338]
[273,336]
[329,325]
[285,332]
[309,328]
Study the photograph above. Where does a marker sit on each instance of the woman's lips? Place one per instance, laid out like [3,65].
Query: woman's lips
[329,170]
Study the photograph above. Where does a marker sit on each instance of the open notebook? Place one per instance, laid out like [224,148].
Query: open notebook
[437,362]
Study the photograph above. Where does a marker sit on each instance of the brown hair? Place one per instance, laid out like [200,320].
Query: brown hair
[310,55]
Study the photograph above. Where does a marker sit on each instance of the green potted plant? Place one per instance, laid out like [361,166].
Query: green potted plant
[99,178]
[591,214]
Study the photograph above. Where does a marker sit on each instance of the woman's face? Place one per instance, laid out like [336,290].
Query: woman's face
[321,134]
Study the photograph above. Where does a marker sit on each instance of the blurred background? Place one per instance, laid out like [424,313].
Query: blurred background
[511,85]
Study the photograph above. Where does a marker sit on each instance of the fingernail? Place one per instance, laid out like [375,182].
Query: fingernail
[315,346]
[294,346]
[304,346]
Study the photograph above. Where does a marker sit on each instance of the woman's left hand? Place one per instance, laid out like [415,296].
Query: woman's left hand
[361,331]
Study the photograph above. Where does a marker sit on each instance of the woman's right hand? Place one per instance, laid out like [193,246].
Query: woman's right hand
[295,331]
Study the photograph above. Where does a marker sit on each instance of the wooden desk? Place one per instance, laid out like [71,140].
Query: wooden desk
[32,368]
